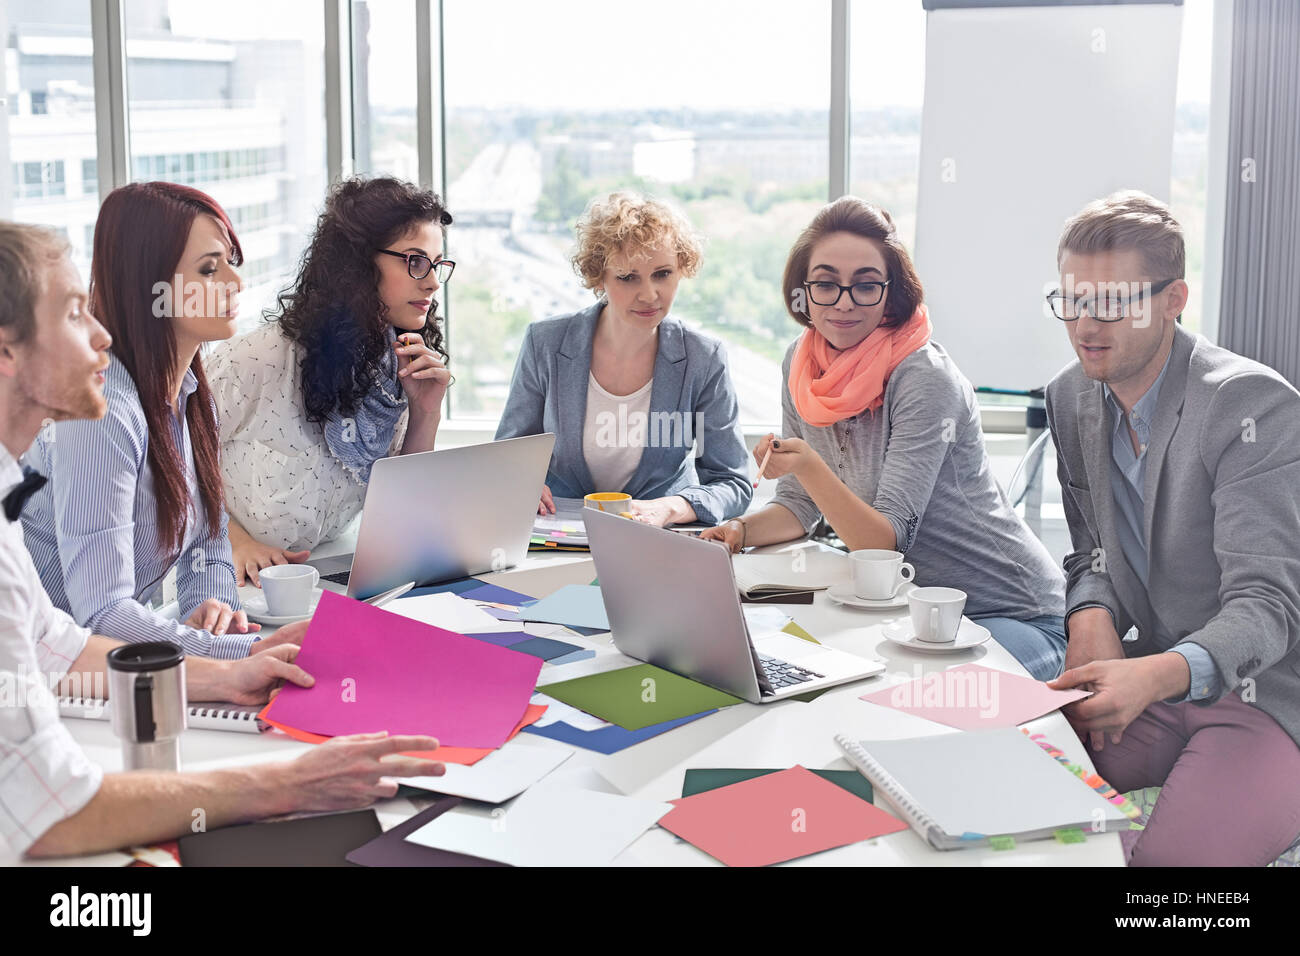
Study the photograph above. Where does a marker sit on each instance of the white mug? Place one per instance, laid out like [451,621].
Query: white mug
[936,613]
[288,588]
[878,575]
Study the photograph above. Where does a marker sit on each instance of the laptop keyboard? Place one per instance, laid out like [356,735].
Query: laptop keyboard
[339,577]
[781,673]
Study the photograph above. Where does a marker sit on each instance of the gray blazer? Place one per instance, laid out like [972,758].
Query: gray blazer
[692,399]
[1222,517]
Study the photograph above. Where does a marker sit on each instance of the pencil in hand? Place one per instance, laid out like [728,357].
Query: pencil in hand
[763,467]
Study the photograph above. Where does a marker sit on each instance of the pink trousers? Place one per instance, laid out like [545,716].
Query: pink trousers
[1230,777]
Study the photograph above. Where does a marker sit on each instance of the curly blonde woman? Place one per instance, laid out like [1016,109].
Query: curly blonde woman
[638,402]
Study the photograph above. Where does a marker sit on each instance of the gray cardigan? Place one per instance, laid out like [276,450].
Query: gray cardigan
[1222,517]
[692,400]
[920,461]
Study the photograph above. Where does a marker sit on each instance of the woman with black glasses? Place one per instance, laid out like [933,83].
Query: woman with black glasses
[882,437]
[353,369]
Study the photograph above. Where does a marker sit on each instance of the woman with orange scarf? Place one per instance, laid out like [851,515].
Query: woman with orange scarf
[882,437]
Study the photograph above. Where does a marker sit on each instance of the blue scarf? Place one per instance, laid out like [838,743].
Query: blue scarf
[362,438]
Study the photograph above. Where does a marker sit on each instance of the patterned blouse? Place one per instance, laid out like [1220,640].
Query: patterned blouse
[283,483]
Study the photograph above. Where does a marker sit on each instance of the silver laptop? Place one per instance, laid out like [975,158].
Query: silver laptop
[672,602]
[438,515]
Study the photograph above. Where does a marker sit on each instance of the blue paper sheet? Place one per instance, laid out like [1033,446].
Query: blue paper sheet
[576,605]
[609,739]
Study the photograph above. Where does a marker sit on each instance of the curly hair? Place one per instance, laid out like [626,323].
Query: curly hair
[625,221]
[333,310]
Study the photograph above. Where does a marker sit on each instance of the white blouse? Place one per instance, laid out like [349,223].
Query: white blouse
[282,482]
[614,434]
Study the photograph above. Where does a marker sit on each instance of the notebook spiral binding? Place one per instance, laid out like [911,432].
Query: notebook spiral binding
[230,717]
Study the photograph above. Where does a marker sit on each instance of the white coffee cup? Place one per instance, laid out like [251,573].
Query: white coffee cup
[288,588]
[936,613]
[878,575]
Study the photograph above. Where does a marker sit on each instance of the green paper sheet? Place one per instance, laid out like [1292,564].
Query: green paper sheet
[698,781]
[625,698]
[799,632]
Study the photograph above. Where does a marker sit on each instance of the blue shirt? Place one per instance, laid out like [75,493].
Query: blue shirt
[93,529]
[1127,482]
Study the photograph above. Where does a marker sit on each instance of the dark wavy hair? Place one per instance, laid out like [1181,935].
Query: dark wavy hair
[333,310]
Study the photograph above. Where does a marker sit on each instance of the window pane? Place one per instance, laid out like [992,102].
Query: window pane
[886,86]
[1191,147]
[213,87]
[383,76]
[47,130]
[703,104]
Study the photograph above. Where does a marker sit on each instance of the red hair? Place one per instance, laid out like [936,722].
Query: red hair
[140,235]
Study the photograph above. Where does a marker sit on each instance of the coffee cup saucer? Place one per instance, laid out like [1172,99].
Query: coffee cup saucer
[843,594]
[255,607]
[969,634]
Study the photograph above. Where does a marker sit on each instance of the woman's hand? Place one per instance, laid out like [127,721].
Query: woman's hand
[423,375]
[251,556]
[662,511]
[790,456]
[547,505]
[730,533]
[216,617]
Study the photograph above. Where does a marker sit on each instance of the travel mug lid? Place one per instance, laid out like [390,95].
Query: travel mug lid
[151,656]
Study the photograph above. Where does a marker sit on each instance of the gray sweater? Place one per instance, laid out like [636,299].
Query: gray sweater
[919,460]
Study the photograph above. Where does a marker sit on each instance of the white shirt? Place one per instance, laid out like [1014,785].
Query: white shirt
[282,483]
[44,776]
[614,433]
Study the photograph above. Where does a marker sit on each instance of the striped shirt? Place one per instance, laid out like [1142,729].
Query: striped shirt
[44,776]
[93,529]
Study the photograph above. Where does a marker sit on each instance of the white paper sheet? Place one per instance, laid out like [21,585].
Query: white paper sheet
[545,826]
[499,776]
[452,613]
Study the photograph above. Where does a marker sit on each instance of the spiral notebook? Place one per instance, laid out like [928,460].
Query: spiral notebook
[959,790]
[235,717]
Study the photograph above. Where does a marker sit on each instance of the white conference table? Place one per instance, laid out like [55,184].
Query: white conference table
[744,735]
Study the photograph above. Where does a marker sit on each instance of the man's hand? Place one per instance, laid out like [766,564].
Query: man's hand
[546,506]
[1122,689]
[662,511]
[288,634]
[354,771]
[1092,638]
[257,679]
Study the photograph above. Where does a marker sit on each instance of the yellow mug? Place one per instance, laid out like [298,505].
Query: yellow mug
[612,502]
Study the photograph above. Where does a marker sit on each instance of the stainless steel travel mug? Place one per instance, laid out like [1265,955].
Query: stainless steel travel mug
[146,687]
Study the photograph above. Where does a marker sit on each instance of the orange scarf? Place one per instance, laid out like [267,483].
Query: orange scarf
[829,386]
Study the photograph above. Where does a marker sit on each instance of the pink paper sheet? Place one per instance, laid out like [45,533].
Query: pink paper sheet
[972,697]
[776,817]
[380,671]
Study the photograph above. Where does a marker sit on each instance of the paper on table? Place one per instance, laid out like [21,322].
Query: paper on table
[450,612]
[972,697]
[557,710]
[698,780]
[502,774]
[756,822]
[610,738]
[545,826]
[577,605]
[806,568]
[636,697]
[376,670]
[459,755]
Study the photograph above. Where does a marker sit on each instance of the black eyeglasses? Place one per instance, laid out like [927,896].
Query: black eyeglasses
[418,266]
[862,293]
[1110,305]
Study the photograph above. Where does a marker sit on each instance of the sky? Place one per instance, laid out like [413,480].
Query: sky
[603,55]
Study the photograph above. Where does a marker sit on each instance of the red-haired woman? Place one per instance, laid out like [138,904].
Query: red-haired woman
[139,493]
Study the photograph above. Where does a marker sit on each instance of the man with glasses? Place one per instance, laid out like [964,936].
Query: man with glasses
[1180,471]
